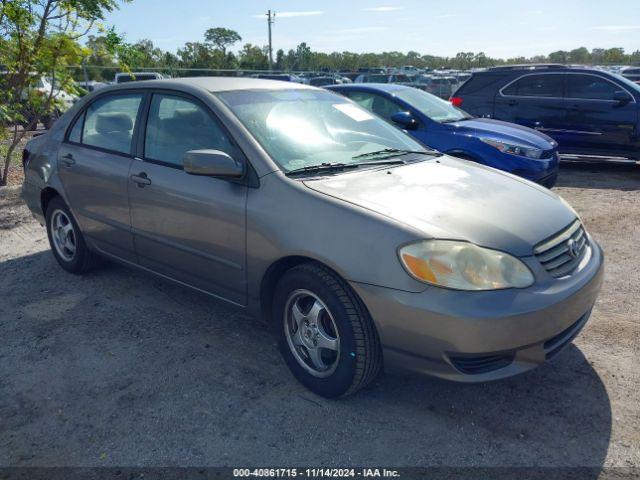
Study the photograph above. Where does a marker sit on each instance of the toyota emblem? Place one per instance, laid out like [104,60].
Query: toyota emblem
[572,248]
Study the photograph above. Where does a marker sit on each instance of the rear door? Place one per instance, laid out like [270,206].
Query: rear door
[595,123]
[94,162]
[187,227]
[534,100]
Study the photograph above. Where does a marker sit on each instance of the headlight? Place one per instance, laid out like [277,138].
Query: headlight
[514,148]
[463,266]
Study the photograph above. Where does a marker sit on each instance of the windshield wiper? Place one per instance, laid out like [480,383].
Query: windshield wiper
[394,152]
[379,162]
[323,167]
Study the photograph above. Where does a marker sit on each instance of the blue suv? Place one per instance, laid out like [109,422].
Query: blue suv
[438,124]
[589,112]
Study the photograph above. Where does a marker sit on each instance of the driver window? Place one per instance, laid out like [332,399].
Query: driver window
[377,104]
[177,125]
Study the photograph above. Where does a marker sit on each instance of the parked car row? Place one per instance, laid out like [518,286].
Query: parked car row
[360,245]
[589,112]
[448,129]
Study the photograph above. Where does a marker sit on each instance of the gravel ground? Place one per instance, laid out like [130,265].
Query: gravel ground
[119,368]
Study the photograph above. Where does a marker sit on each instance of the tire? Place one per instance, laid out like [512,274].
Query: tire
[353,358]
[66,240]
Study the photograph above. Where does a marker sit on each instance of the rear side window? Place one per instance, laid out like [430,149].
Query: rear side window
[478,83]
[536,86]
[590,87]
[177,125]
[109,122]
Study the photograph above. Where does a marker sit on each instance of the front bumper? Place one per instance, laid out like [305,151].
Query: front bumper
[482,336]
[543,172]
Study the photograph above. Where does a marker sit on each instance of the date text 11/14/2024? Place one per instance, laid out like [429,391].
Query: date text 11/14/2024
[316,472]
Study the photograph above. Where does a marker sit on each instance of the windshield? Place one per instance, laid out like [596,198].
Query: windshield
[305,128]
[433,107]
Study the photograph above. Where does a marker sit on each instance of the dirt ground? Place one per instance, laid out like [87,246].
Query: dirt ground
[119,368]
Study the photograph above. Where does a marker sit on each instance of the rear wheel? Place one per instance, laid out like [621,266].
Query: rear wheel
[66,240]
[327,338]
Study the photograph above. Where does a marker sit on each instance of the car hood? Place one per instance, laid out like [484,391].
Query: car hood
[501,130]
[455,199]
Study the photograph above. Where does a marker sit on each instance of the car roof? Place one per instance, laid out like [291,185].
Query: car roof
[539,69]
[211,84]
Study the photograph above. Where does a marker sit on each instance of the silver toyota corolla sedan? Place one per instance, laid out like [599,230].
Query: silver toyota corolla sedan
[357,243]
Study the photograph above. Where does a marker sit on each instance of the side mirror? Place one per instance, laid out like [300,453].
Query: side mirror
[213,163]
[404,120]
[622,97]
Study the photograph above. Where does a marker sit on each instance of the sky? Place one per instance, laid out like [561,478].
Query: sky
[500,28]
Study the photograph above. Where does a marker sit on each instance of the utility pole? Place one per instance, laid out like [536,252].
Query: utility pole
[271,18]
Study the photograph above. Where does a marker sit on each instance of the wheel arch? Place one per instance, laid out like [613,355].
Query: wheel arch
[275,272]
[46,195]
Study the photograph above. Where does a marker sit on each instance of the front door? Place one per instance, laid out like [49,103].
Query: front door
[94,162]
[189,228]
[595,123]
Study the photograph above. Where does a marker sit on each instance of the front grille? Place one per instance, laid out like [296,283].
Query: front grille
[475,365]
[562,253]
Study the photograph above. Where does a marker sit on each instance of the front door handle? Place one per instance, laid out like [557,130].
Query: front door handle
[141,179]
[68,160]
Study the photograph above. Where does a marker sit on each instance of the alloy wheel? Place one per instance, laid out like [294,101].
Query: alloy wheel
[311,333]
[63,235]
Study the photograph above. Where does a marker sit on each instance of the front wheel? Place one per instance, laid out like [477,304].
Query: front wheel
[327,337]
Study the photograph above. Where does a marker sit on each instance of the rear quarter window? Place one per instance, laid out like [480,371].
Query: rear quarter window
[480,84]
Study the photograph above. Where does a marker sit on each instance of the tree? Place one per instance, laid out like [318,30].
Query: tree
[580,55]
[559,57]
[39,38]
[253,57]
[201,55]
[464,60]
[100,56]
[221,38]
[280,65]
[303,57]
[614,56]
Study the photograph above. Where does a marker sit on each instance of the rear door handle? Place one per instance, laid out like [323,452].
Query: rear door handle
[141,179]
[68,160]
